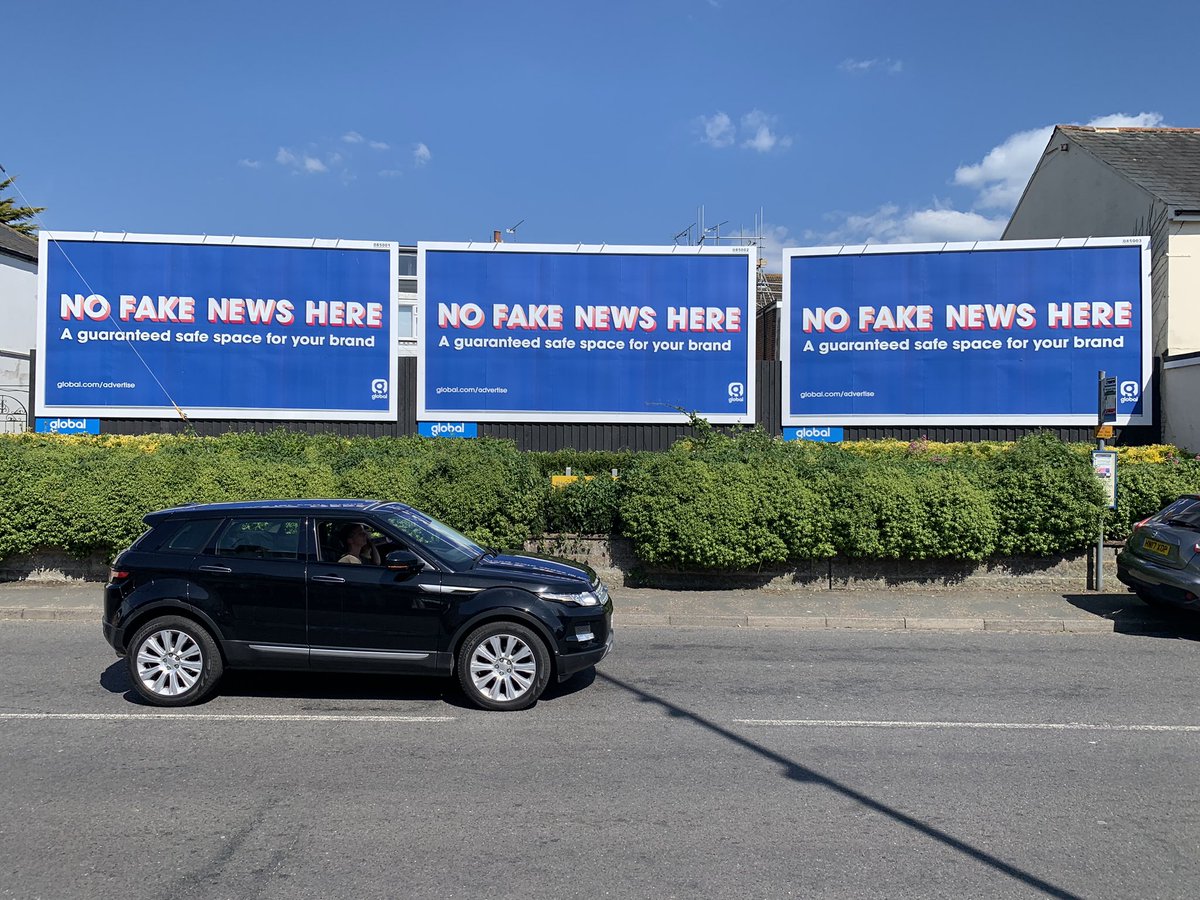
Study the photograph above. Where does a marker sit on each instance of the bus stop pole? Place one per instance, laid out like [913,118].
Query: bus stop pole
[1099,579]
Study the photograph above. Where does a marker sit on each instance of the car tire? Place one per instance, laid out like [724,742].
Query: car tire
[173,661]
[503,666]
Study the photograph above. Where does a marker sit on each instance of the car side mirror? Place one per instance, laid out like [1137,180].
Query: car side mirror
[403,562]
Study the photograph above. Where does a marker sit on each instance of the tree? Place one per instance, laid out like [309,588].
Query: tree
[14,216]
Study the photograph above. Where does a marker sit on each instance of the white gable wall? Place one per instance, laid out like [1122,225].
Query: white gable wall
[18,303]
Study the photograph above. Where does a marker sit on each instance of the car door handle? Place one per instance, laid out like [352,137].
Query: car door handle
[329,579]
[224,570]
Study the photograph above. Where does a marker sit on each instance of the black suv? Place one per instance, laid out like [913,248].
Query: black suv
[350,586]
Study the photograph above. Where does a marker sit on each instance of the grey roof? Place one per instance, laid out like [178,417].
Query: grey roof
[16,244]
[1164,161]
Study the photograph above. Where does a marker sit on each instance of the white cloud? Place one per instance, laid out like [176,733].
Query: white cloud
[718,130]
[421,155]
[863,66]
[997,181]
[763,139]
[757,130]
[302,162]
[390,173]
[890,225]
[352,137]
[250,163]
[1121,120]
[1001,175]
[378,145]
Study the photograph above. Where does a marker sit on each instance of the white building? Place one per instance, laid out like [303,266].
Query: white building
[18,320]
[1109,182]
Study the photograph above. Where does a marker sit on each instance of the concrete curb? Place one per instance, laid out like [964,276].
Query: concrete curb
[52,613]
[865,623]
[663,620]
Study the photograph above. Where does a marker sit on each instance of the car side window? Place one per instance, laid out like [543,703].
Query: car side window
[190,536]
[260,539]
[344,540]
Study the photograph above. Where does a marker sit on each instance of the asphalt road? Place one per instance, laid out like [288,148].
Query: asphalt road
[694,763]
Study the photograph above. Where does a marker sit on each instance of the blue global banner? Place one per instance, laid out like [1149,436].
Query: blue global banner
[448,429]
[148,326]
[67,426]
[1010,332]
[519,332]
[825,435]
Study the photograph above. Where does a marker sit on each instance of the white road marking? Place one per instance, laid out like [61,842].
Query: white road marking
[995,726]
[224,717]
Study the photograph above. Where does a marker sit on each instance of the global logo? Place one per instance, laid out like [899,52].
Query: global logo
[828,434]
[1130,391]
[68,426]
[379,389]
[57,425]
[737,392]
[448,429]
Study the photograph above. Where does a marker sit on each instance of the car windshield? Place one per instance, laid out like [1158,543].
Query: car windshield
[440,540]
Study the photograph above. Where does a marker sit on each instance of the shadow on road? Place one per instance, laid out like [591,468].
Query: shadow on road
[804,775]
[1132,616]
[329,687]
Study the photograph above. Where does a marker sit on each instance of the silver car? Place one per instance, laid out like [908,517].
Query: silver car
[1161,560]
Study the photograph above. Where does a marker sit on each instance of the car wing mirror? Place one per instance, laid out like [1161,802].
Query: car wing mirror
[403,562]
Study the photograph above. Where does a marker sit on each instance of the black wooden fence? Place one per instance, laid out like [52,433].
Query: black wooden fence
[562,435]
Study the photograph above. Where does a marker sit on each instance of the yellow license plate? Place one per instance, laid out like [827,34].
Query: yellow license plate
[1160,547]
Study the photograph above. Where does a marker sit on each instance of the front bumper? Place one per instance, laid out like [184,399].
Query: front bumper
[570,663]
[585,639]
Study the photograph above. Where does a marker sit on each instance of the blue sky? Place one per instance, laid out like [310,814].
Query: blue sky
[614,122]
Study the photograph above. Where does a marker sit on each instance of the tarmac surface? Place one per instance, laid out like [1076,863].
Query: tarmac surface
[874,610]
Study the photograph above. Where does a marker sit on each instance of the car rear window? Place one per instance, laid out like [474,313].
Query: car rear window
[179,536]
[1184,512]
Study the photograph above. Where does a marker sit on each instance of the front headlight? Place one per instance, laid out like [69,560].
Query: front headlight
[587,598]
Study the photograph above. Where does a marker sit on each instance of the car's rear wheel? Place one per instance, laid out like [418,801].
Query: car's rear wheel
[503,666]
[173,661]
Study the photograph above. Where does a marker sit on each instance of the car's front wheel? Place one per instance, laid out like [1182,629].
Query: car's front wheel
[503,666]
[173,661]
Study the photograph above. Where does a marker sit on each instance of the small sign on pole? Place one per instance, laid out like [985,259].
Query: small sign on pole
[1108,401]
[1104,464]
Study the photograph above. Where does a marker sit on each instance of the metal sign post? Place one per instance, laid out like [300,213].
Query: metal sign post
[1106,415]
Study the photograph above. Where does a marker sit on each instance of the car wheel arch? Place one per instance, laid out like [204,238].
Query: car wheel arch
[156,608]
[504,614]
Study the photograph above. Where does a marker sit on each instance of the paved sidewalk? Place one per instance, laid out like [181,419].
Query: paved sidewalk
[877,610]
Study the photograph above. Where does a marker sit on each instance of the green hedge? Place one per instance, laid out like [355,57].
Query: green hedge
[89,494]
[721,501]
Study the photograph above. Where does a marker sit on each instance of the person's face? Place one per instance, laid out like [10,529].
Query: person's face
[358,536]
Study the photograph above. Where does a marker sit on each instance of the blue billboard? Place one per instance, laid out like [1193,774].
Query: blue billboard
[150,326]
[545,333]
[998,333]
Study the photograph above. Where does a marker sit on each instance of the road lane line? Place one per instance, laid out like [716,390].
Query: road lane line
[224,717]
[995,726]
